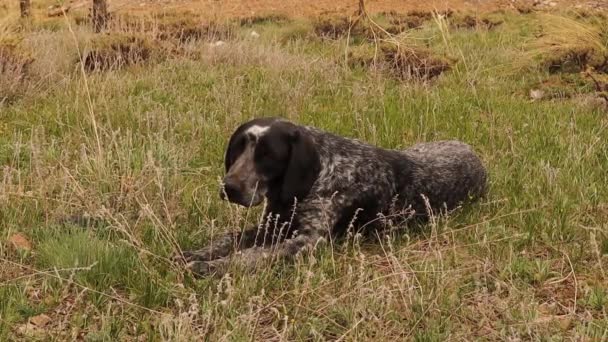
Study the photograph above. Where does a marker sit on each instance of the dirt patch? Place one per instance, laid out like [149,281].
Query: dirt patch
[401,62]
[114,51]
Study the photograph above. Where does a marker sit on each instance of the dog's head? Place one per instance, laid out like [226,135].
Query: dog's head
[271,158]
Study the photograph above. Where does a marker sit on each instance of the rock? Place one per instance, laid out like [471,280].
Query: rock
[218,43]
[40,321]
[565,323]
[254,34]
[536,94]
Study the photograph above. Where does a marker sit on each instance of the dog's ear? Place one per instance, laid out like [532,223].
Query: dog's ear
[236,145]
[302,169]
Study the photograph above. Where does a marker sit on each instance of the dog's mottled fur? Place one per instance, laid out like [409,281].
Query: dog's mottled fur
[318,184]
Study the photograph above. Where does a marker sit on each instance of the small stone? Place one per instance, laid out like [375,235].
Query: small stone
[254,34]
[40,321]
[536,94]
[565,323]
[218,43]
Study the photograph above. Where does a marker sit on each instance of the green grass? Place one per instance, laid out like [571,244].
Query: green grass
[146,160]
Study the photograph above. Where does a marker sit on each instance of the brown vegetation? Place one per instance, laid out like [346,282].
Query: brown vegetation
[338,27]
[399,61]
[419,63]
[468,21]
[14,71]
[116,51]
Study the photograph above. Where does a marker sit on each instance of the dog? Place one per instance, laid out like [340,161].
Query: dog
[319,185]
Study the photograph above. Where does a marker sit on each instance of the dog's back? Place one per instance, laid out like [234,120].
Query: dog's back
[447,172]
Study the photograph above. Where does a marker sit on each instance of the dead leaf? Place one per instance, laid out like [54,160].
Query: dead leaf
[20,241]
[40,321]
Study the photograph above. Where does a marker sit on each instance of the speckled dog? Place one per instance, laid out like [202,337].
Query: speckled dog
[319,185]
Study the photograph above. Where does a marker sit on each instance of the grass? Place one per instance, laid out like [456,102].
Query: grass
[139,147]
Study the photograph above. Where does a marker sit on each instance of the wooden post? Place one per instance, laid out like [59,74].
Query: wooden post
[24,6]
[99,15]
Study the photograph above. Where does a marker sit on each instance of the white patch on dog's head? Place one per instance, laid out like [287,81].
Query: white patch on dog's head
[257,131]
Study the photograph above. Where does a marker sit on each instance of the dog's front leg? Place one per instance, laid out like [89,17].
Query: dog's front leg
[225,244]
[313,229]
[253,257]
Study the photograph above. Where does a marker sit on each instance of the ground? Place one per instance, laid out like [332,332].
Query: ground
[111,148]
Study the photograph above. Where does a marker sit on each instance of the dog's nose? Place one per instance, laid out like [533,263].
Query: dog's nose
[230,190]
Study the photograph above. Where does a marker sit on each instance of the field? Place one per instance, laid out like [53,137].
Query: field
[111,154]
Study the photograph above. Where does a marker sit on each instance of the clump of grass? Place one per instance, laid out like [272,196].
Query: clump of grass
[570,45]
[362,55]
[295,31]
[115,51]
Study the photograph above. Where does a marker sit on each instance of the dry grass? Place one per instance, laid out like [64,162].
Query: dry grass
[572,45]
[14,64]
